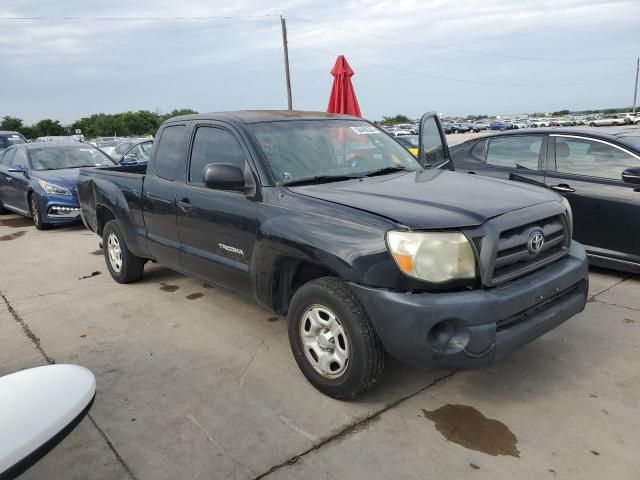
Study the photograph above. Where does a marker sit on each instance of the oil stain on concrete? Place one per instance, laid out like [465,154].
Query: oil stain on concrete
[12,236]
[165,287]
[19,222]
[469,428]
[194,296]
[92,274]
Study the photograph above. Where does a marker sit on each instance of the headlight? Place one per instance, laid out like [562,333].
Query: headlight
[566,203]
[433,257]
[54,189]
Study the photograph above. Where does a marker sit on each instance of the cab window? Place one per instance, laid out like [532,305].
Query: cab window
[213,145]
[169,150]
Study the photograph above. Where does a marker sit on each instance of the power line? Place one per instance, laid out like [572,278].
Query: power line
[461,80]
[451,49]
[125,19]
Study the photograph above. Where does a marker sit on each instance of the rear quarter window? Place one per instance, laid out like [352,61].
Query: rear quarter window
[477,151]
[169,151]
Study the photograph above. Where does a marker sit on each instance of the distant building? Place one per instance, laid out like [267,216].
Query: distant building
[513,116]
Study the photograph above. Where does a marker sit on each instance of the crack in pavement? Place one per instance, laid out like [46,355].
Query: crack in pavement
[112,447]
[352,427]
[592,298]
[50,360]
[26,329]
[614,305]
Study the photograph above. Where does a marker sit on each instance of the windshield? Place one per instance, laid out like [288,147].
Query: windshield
[56,158]
[7,141]
[328,148]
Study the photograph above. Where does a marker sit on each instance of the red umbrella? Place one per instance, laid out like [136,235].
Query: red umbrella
[343,96]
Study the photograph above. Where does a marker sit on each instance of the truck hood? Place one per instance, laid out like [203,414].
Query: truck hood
[431,198]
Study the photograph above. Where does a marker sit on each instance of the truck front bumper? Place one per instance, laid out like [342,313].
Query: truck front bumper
[473,328]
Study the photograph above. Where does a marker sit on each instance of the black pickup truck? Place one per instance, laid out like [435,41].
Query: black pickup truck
[366,248]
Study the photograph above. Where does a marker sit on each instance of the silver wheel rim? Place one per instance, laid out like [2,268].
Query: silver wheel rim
[115,252]
[34,210]
[324,341]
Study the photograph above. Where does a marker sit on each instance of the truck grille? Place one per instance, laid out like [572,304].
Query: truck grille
[513,257]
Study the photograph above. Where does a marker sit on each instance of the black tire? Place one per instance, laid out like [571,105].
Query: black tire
[366,359]
[592,124]
[36,214]
[130,268]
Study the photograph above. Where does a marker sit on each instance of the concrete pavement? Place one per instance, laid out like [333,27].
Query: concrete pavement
[195,382]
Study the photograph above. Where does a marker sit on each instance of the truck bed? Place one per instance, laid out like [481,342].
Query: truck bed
[120,186]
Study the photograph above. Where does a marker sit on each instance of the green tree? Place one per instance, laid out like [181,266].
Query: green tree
[560,113]
[11,123]
[396,119]
[48,127]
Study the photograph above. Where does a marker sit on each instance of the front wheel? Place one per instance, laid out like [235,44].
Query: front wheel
[333,341]
[36,214]
[123,265]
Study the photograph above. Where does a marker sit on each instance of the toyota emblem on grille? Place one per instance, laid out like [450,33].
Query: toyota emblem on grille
[535,243]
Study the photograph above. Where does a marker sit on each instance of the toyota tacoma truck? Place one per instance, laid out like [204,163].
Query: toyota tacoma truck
[366,248]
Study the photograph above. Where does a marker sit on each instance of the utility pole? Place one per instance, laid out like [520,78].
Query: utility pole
[286,61]
[635,90]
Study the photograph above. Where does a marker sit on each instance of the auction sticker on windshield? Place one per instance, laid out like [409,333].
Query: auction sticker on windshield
[365,130]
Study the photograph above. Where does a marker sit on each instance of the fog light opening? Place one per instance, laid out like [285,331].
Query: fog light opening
[448,336]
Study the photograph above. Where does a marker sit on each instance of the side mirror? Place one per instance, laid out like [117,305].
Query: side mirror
[16,169]
[38,408]
[223,176]
[128,160]
[631,175]
[433,150]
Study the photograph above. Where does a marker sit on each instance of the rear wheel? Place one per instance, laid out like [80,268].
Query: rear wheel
[36,214]
[333,341]
[123,265]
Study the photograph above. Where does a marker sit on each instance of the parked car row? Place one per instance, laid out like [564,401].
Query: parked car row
[592,121]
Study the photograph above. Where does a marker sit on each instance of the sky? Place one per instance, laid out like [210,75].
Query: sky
[409,56]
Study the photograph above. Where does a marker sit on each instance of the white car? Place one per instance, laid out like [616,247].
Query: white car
[633,118]
[539,123]
[607,121]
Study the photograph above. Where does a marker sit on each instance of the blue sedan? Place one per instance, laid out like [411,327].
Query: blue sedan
[38,180]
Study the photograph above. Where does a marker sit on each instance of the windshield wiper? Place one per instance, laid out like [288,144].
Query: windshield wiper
[320,179]
[386,170]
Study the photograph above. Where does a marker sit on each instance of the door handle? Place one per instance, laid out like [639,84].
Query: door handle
[185,205]
[562,187]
